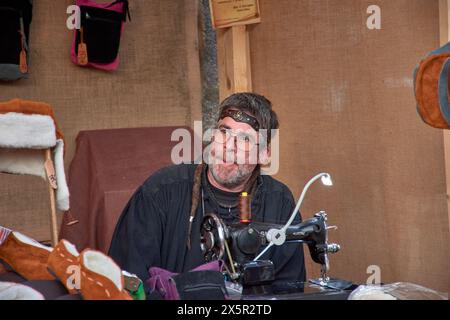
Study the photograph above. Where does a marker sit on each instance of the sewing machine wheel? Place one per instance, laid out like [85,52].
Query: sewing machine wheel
[213,236]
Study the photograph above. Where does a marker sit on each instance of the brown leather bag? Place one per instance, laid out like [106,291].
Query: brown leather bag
[426,86]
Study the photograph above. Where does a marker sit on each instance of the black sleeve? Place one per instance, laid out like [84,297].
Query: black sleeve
[289,259]
[136,242]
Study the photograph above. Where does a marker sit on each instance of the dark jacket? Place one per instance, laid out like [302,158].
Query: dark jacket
[152,230]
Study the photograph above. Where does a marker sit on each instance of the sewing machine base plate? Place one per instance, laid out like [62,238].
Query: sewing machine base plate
[295,291]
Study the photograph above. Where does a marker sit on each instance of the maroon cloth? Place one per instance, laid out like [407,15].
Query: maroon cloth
[108,166]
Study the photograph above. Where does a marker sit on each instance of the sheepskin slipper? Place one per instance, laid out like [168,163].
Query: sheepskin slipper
[15,291]
[101,277]
[64,265]
[26,256]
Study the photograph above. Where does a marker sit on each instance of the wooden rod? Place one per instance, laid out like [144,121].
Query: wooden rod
[444,24]
[51,190]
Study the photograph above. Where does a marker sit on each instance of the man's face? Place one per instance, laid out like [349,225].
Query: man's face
[234,152]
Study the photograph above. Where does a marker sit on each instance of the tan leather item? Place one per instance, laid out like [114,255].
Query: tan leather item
[50,171]
[63,263]
[23,62]
[427,88]
[26,257]
[101,277]
[23,65]
[82,50]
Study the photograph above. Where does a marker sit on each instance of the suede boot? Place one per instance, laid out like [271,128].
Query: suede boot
[26,256]
[101,277]
[64,264]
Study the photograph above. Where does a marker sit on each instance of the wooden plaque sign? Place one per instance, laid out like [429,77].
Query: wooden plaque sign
[227,13]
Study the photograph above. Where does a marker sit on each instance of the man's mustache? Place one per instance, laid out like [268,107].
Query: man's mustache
[226,158]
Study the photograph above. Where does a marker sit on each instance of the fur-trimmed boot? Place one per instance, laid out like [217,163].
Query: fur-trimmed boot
[15,291]
[64,264]
[26,256]
[101,277]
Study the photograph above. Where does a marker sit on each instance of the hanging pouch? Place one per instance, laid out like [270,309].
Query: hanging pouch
[96,43]
[15,19]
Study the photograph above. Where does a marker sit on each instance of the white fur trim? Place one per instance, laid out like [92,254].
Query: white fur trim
[71,248]
[62,193]
[103,265]
[34,131]
[22,161]
[27,240]
[15,291]
[31,161]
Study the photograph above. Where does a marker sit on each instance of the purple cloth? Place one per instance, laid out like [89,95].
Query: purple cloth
[162,281]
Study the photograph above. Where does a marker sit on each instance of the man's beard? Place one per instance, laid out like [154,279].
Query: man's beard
[226,174]
[231,176]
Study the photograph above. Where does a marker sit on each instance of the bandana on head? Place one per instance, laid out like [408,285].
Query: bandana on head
[240,116]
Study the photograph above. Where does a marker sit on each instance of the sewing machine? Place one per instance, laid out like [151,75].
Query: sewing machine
[244,244]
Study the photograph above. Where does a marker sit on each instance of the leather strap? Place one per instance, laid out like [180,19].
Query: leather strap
[240,116]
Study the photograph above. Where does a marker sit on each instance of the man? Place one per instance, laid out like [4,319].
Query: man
[160,226]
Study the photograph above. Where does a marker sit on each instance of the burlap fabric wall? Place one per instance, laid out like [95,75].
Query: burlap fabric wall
[345,100]
[343,93]
[157,84]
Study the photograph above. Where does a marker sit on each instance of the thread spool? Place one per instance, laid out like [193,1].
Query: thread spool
[245,215]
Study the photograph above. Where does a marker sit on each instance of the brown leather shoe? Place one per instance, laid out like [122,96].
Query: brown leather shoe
[101,277]
[63,263]
[26,256]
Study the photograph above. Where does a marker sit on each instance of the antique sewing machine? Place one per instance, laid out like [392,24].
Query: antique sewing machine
[244,244]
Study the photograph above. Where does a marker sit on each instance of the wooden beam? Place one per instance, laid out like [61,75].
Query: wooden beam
[444,22]
[233,59]
[193,66]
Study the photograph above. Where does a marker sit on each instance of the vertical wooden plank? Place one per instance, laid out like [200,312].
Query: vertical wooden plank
[224,75]
[193,61]
[444,22]
[233,56]
[241,61]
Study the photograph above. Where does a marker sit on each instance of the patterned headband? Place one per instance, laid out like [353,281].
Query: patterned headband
[240,116]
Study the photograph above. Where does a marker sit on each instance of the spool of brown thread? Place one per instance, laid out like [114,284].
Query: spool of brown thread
[244,208]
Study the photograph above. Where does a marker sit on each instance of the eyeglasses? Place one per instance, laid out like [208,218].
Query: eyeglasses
[244,141]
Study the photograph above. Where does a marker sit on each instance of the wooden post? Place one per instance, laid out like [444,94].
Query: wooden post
[233,57]
[444,21]
[51,190]
[193,67]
